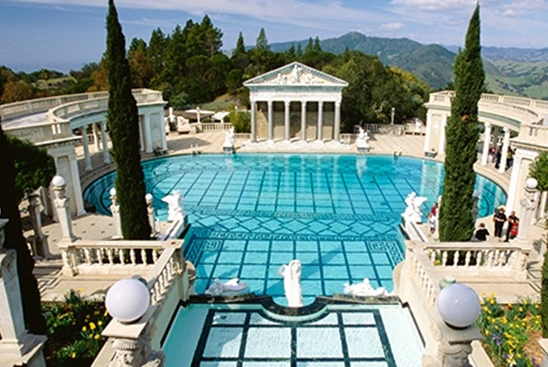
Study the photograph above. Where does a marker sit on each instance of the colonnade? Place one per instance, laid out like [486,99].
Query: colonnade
[151,136]
[319,124]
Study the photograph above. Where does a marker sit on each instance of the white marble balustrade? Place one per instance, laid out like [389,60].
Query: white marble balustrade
[112,257]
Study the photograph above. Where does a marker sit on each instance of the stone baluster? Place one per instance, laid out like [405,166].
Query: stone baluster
[115,210]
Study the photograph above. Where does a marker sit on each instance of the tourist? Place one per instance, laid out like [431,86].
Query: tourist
[481,233]
[513,225]
[434,209]
[432,221]
[499,218]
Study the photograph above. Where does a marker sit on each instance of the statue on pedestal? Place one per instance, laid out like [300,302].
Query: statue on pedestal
[412,211]
[228,145]
[292,283]
[361,141]
[175,209]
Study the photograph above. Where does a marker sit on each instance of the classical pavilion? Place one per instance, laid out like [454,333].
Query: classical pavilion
[295,102]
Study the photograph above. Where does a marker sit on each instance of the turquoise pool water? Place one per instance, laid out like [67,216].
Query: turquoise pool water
[337,214]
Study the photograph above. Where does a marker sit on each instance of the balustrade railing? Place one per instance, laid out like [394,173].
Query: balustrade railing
[209,126]
[111,257]
[167,267]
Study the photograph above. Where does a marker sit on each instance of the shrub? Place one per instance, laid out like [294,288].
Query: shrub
[509,331]
[74,330]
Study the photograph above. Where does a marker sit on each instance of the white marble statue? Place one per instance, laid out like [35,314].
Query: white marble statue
[229,138]
[230,288]
[412,211]
[175,210]
[292,283]
[418,126]
[363,137]
[364,289]
[296,74]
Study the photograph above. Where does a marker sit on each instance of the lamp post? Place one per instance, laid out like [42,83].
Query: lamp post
[392,114]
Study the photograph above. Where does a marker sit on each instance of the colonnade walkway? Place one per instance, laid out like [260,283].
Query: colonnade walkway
[53,285]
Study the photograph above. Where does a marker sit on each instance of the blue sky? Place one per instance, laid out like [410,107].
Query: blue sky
[66,34]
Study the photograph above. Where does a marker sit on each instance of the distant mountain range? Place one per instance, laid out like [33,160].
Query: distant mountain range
[515,71]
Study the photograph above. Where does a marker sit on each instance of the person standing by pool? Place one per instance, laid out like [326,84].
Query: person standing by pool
[513,225]
[499,218]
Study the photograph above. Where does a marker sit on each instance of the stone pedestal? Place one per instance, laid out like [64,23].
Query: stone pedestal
[131,343]
[17,346]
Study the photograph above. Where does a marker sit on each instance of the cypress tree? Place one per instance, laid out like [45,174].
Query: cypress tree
[14,239]
[456,220]
[123,125]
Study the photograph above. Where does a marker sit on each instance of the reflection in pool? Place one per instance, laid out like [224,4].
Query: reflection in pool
[337,214]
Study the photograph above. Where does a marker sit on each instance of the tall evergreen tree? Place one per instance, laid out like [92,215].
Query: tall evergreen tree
[262,42]
[240,46]
[123,125]
[14,239]
[456,220]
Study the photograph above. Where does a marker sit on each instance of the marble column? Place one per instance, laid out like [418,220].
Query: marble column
[95,137]
[504,153]
[253,121]
[85,144]
[337,125]
[320,120]
[287,104]
[148,133]
[441,147]
[76,186]
[104,140]
[428,132]
[303,120]
[486,144]
[270,120]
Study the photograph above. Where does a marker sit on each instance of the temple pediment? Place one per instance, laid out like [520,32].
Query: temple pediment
[295,74]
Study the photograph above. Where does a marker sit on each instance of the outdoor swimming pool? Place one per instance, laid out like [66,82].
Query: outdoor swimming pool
[251,213]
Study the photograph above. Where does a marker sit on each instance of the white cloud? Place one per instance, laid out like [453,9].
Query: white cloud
[392,26]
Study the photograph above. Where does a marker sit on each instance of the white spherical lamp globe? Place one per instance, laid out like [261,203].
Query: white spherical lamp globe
[58,181]
[458,305]
[112,192]
[127,300]
[531,183]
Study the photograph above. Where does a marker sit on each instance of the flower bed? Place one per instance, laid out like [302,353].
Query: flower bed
[511,332]
[74,330]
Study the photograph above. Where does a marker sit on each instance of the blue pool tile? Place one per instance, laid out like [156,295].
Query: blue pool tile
[333,258]
[384,271]
[226,271]
[363,343]
[335,272]
[308,258]
[230,258]
[256,257]
[253,271]
[311,246]
[208,257]
[361,272]
[358,318]
[380,258]
[358,258]
[229,245]
[258,245]
[203,270]
[311,287]
[281,257]
[275,287]
[334,286]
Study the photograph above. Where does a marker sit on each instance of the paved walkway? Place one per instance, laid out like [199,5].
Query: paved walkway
[98,227]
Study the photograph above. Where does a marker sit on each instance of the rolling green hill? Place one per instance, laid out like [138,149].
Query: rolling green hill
[513,71]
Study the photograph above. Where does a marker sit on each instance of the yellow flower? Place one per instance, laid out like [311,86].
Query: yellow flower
[73,355]
[492,301]
[96,337]
[84,328]
[99,322]
[92,326]
[521,309]
[486,332]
